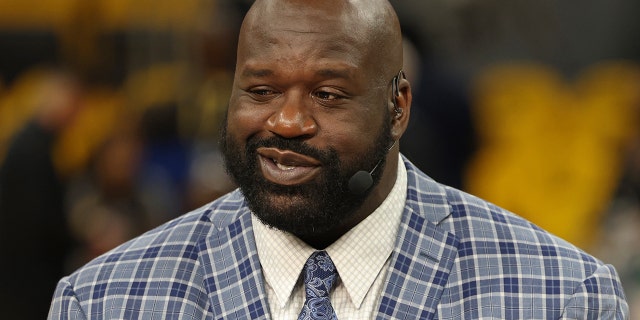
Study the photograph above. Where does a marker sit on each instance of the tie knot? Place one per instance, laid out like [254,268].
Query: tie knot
[319,275]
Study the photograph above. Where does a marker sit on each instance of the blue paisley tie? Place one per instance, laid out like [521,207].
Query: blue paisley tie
[319,276]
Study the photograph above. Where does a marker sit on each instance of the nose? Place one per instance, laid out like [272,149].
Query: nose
[293,119]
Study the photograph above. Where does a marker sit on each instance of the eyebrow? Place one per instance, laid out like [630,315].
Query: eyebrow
[334,73]
[257,73]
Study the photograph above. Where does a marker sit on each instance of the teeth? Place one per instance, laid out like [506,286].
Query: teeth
[284,167]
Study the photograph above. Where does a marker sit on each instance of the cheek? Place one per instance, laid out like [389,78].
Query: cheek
[351,137]
[243,121]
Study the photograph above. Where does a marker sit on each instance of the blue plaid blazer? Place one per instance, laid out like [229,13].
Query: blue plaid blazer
[456,257]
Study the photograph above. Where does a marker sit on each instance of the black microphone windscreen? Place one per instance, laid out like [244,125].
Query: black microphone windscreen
[360,182]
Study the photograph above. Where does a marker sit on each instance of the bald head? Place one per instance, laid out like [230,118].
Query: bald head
[370,26]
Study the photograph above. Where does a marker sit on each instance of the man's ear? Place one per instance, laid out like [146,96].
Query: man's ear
[401,108]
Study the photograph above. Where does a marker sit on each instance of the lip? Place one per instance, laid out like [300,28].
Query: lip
[286,167]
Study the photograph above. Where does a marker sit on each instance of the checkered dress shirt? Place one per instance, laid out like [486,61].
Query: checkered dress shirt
[456,257]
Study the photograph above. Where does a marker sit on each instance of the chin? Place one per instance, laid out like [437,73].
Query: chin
[295,214]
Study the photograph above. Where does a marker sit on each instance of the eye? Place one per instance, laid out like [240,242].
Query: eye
[328,96]
[262,94]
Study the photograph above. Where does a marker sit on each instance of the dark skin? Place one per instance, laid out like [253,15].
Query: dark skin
[319,71]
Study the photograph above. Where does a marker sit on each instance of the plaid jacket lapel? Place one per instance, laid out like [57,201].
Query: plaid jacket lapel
[233,276]
[424,254]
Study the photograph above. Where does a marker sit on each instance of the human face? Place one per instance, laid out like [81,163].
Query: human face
[306,113]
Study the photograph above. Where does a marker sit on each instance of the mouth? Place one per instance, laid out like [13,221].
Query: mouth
[286,167]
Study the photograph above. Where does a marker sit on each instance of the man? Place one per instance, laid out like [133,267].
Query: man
[319,102]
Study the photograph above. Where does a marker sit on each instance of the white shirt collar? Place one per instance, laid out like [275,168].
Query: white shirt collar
[359,255]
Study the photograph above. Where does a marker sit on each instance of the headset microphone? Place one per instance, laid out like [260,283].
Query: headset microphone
[362,180]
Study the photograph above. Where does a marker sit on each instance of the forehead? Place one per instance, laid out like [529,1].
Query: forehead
[306,16]
[295,35]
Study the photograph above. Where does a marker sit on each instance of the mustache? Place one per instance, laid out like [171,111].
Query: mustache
[295,145]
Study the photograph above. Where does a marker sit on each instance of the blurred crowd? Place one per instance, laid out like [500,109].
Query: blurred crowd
[110,111]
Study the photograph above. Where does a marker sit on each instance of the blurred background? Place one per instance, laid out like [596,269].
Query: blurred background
[110,110]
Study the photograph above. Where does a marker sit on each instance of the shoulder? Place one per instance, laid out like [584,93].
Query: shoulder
[499,251]
[495,241]
[172,246]
[478,222]
[164,271]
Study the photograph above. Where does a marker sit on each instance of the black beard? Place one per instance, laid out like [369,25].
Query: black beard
[306,209]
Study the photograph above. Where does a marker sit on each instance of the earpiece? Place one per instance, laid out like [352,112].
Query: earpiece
[396,93]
